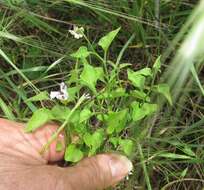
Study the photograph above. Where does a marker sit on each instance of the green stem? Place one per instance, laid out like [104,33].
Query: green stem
[150,89]
[117,67]
[76,71]
[61,128]
[144,167]
[97,55]
[104,63]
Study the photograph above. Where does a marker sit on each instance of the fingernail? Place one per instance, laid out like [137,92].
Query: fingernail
[120,167]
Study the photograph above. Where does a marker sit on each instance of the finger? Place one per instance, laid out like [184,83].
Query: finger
[14,141]
[40,138]
[95,173]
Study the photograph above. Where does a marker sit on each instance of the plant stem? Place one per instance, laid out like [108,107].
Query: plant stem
[144,167]
[104,64]
[61,128]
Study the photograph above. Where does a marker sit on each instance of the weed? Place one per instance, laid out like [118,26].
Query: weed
[38,53]
[100,121]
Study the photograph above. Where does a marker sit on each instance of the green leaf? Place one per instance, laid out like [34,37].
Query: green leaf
[73,154]
[39,97]
[99,73]
[106,41]
[88,139]
[127,146]
[90,76]
[38,119]
[184,172]
[145,72]
[188,151]
[75,1]
[97,139]
[75,117]
[150,108]
[136,79]
[140,95]
[102,117]
[114,141]
[80,129]
[119,92]
[94,141]
[85,114]
[81,53]
[141,111]
[73,76]
[165,91]
[116,121]
[173,156]
[138,113]
[60,112]
[6,109]
[157,65]
[72,93]
[123,65]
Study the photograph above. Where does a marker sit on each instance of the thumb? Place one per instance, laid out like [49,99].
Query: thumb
[95,173]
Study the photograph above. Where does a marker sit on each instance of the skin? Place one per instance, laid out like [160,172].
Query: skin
[23,168]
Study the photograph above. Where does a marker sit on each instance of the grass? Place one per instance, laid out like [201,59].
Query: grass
[35,52]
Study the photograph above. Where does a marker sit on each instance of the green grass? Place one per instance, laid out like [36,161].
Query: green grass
[35,49]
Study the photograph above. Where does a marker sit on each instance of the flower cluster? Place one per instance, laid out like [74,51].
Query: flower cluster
[77,32]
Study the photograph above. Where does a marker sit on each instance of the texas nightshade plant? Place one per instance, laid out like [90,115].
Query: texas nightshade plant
[101,102]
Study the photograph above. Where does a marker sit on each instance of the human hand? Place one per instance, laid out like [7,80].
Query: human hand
[23,168]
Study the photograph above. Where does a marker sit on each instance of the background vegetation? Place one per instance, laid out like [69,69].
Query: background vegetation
[35,48]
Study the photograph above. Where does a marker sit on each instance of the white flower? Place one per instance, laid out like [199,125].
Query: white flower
[60,95]
[77,32]
[87,96]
